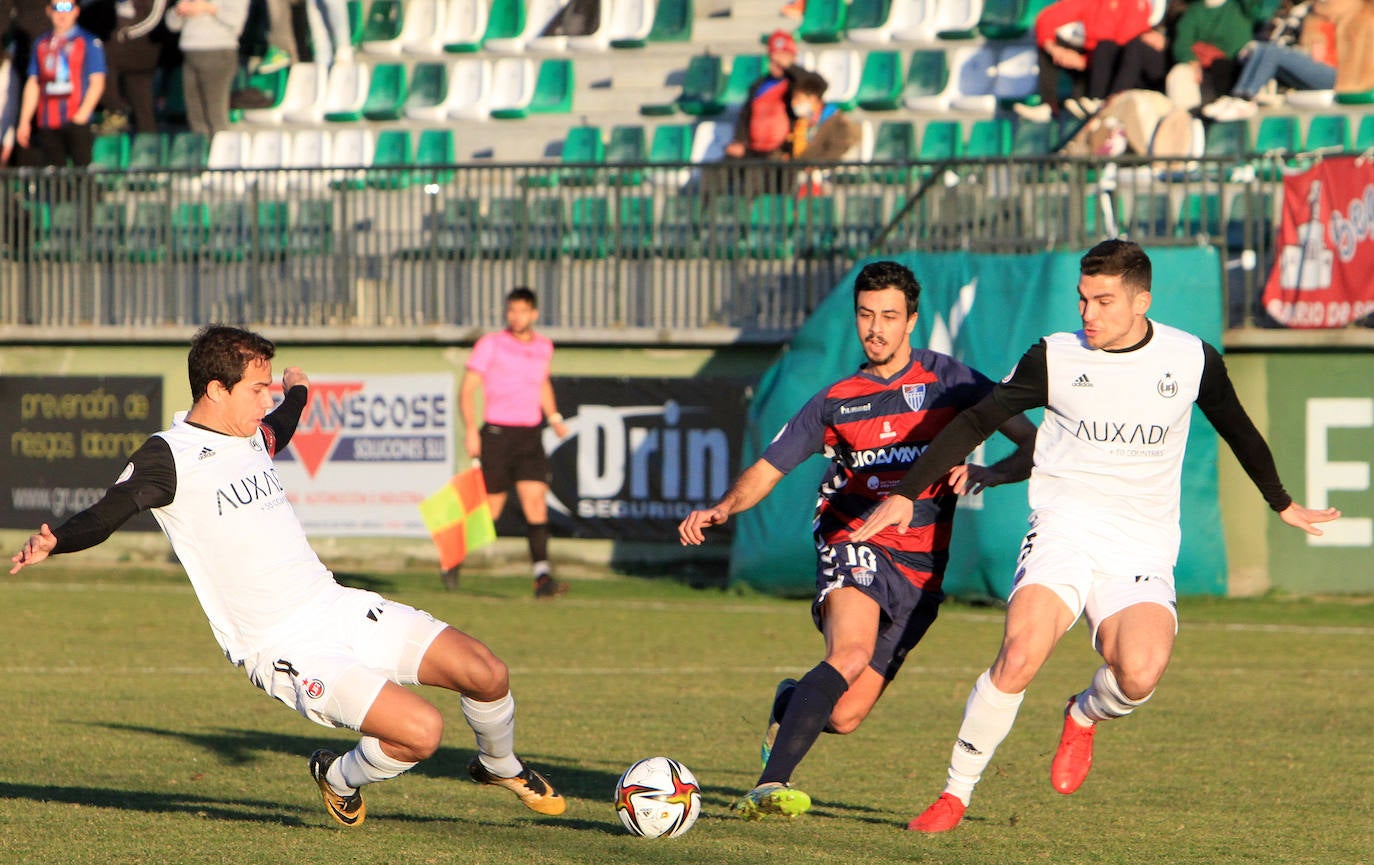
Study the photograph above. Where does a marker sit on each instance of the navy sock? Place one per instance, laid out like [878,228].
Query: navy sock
[808,712]
[539,542]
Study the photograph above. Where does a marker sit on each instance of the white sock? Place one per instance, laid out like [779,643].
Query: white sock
[988,717]
[1103,700]
[365,764]
[494,724]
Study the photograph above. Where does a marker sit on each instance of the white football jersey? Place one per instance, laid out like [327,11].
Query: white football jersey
[1109,452]
[238,537]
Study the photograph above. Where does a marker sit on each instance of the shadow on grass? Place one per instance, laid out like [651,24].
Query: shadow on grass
[239,747]
[247,810]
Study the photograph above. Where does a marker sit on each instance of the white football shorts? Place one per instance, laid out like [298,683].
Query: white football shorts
[1085,578]
[333,667]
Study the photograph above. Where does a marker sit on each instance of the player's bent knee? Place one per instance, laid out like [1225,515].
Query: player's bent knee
[488,678]
[842,724]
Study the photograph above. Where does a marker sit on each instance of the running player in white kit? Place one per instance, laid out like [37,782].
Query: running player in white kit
[1104,496]
[337,655]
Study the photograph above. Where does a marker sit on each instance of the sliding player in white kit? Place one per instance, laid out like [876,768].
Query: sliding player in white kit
[1104,495]
[337,655]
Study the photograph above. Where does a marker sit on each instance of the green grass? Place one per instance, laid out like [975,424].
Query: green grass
[130,739]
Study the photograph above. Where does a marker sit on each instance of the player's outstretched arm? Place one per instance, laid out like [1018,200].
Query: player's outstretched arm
[34,550]
[1305,518]
[748,490]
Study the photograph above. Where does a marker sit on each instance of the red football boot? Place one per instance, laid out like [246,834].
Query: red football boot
[1074,756]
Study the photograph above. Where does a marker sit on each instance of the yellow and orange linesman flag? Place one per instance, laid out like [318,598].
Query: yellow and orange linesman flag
[458,517]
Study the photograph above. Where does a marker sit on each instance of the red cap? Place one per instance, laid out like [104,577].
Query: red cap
[781,40]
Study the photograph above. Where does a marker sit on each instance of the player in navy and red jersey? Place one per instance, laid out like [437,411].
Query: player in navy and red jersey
[875,600]
[66,77]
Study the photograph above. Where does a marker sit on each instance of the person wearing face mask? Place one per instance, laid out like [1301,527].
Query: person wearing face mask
[822,133]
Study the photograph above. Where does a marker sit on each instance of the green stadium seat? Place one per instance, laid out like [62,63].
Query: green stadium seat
[880,86]
[427,92]
[1278,135]
[1200,215]
[1227,138]
[1032,139]
[745,69]
[1009,19]
[895,142]
[548,224]
[382,28]
[867,14]
[589,227]
[356,18]
[724,219]
[681,227]
[236,230]
[1328,133]
[149,232]
[391,156]
[1150,216]
[1364,137]
[1250,220]
[60,235]
[434,156]
[862,220]
[110,153]
[190,152]
[989,138]
[553,89]
[190,229]
[823,21]
[927,76]
[148,151]
[817,226]
[312,231]
[703,87]
[671,144]
[109,223]
[772,227]
[584,146]
[635,227]
[672,21]
[1362,97]
[942,139]
[386,92]
[457,228]
[503,228]
[627,146]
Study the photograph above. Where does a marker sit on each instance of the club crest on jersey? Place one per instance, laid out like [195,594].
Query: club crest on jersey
[915,395]
[862,576]
[314,688]
[1167,386]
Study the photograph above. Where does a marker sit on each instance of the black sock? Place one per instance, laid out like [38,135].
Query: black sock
[781,701]
[539,542]
[808,711]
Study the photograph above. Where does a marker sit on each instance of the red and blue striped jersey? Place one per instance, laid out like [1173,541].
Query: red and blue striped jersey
[873,430]
[63,66]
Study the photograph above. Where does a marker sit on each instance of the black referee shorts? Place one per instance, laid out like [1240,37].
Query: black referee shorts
[510,454]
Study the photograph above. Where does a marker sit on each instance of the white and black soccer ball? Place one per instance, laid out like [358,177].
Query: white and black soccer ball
[658,798]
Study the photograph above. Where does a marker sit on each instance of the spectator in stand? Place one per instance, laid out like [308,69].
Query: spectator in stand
[210,49]
[9,106]
[1206,48]
[331,35]
[66,77]
[131,56]
[1119,51]
[763,126]
[1332,52]
[1296,48]
[822,132]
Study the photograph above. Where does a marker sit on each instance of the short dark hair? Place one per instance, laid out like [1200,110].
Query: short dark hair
[810,83]
[1121,258]
[221,353]
[520,292]
[879,275]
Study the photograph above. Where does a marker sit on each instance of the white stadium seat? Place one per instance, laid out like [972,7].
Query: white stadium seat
[469,89]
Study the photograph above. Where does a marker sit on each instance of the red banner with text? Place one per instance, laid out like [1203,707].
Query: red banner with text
[1323,275]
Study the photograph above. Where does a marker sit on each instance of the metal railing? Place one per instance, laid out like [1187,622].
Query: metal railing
[624,253]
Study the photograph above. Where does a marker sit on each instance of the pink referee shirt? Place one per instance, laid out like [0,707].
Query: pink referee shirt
[513,373]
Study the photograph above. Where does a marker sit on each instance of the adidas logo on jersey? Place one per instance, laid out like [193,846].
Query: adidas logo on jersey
[205,454]
[1082,381]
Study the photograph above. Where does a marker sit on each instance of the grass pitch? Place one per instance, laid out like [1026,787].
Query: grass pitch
[130,740]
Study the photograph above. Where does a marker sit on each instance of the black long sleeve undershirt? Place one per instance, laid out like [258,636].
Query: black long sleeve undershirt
[150,481]
[1028,388]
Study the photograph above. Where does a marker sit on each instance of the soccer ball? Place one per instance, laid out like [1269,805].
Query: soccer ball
[658,798]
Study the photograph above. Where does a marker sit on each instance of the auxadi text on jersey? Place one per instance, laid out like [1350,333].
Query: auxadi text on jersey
[251,490]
